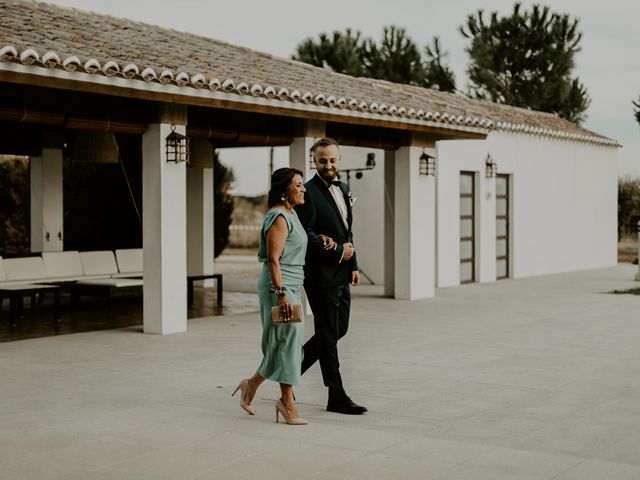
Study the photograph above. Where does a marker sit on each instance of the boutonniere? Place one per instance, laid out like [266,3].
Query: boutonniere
[352,199]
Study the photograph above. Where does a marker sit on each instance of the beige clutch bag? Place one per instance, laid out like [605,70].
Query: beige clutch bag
[278,320]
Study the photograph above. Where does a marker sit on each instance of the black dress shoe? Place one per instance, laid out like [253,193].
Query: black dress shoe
[348,407]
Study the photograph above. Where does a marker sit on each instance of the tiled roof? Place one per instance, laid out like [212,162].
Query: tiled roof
[47,36]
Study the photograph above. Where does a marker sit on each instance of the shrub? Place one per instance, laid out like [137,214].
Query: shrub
[15,205]
[628,205]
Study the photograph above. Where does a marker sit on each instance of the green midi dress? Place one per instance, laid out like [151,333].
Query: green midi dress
[282,344]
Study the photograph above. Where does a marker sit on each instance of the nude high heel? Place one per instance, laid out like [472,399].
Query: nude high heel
[281,409]
[243,386]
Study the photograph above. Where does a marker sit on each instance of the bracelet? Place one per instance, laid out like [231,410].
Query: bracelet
[279,291]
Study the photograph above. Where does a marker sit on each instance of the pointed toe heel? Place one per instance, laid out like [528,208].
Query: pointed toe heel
[287,415]
[243,386]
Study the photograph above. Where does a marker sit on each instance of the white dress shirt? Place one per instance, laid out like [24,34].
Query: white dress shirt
[342,206]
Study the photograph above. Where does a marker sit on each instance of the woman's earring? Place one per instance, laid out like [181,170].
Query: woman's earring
[283,198]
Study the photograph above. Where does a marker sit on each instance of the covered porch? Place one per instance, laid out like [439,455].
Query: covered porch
[53,98]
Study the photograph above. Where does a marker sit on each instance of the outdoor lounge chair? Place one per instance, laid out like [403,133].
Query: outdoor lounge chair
[21,277]
[102,264]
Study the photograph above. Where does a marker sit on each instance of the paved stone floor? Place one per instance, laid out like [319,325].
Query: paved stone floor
[535,378]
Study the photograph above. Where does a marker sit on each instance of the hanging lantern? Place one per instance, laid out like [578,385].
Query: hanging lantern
[427,165]
[490,167]
[177,147]
[312,163]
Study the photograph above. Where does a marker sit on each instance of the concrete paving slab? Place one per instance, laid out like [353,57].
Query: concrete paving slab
[532,378]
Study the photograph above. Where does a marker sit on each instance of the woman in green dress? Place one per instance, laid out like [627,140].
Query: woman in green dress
[283,245]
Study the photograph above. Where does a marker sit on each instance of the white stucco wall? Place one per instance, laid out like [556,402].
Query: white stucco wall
[563,208]
[368,211]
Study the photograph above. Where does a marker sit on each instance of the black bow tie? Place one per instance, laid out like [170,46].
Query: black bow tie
[335,182]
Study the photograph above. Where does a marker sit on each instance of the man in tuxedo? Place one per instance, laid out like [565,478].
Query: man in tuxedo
[329,269]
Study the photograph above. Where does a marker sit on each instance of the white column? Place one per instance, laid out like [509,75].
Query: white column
[200,222]
[164,235]
[389,223]
[299,156]
[308,132]
[414,233]
[47,212]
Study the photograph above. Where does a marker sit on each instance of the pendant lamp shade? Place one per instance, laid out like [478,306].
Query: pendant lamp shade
[201,153]
[95,147]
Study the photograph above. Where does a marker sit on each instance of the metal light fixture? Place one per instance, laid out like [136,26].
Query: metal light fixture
[369,165]
[312,163]
[490,167]
[427,164]
[177,147]
[371,160]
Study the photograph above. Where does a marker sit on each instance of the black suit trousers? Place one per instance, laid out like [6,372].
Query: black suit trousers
[330,307]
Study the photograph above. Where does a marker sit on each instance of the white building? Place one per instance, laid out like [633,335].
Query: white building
[116,77]
[550,206]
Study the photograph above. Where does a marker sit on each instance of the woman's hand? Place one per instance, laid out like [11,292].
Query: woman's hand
[286,309]
[328,242]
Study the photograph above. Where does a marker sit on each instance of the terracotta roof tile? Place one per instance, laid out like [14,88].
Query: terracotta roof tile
[70,32]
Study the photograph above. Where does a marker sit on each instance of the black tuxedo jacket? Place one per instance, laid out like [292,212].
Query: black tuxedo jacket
[320,215]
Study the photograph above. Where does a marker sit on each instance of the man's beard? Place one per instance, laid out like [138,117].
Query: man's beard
[329,176]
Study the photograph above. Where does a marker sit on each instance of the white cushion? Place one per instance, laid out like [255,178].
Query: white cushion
[62,264]
[129,260]
[24,268]
[98,263]
[113,282]
[3,274]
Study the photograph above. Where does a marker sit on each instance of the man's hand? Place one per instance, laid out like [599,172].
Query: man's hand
[355,278]
[348,251]
[327,242]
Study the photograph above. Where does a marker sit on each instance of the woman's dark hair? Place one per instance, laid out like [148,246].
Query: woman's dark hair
[280,182]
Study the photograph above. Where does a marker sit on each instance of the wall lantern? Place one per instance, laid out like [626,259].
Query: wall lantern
[312,163]
[177,147]
[490,167]
[427,164]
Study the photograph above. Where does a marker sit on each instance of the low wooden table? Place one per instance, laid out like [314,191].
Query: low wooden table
[17,292]
[193,278]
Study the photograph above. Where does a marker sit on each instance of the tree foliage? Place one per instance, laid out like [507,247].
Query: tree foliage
[14,205]
[526,60]
[628,204]
[438,76]
[396,57]
[636,110]
[223,204]
[342,52]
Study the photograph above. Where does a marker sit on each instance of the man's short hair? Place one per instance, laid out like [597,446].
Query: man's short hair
[324,142]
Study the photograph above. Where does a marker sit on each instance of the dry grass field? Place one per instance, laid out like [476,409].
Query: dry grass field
[248,213]
[628,249]
[246,219]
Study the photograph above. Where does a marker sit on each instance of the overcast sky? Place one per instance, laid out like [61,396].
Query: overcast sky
[608,65]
